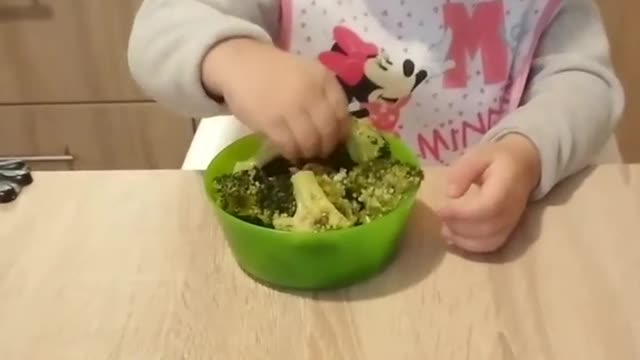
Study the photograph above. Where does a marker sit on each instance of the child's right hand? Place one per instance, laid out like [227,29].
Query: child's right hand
[298,104]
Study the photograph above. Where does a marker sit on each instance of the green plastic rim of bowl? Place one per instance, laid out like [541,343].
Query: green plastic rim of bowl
[309,261]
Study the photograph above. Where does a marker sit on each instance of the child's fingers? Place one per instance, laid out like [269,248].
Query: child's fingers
[470,208]
[338,100]
[479,229]
[475,245]
[324,121]
[467,170]
[344,126]
[486,204]
[282,137]
[304,132]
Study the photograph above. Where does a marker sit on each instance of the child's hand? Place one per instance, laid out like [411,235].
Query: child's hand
[506,173]
[298,104]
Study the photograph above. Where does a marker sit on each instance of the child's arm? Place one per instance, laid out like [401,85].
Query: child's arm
[170,38]
[574,100]
[188,53]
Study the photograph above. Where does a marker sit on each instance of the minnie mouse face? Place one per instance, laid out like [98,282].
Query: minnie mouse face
[367,73]
[378,84]
[391,80]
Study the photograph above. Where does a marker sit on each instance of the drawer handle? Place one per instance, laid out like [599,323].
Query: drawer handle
[45,158]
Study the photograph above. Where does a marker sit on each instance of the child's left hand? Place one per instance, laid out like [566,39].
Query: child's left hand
[506,172]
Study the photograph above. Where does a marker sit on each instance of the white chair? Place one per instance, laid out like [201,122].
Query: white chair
[215,133]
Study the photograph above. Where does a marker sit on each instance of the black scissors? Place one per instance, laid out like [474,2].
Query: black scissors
[14,175]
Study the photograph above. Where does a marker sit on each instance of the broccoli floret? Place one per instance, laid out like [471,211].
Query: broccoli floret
[263,156]
[333,185]
[238,194]
[380,185]
[254,197]
[314,211]
[366,143]
[276,198]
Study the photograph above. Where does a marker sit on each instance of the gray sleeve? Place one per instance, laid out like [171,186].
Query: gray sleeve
[573,101]
[170,38]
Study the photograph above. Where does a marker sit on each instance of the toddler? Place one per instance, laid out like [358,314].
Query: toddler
[511,95]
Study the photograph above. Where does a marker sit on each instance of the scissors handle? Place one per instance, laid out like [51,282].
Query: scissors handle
[8,191]
[19,177]
[13,165]
[14,175]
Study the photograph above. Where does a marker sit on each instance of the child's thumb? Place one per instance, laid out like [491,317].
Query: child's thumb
[466,171]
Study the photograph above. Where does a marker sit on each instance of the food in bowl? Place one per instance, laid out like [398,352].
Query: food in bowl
[357,184]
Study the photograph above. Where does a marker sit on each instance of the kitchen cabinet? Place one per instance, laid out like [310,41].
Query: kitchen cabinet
[95,136]
[66,93]
[55,51]
[620,17]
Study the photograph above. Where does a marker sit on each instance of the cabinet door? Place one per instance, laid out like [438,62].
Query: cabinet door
[95,137]
[620,17]
[55,51]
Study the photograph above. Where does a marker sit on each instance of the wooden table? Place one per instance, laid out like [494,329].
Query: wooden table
[131,265]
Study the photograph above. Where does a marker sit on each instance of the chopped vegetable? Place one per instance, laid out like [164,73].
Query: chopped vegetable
[366,144]
[380,185]
[357,184]
[314,211]
[239,194]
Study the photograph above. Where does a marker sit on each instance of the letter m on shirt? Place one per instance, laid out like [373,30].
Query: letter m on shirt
[478,31]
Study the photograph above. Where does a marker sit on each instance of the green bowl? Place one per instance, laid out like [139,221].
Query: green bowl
[309,261]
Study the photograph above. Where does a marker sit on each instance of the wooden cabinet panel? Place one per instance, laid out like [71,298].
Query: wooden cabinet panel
[623,27]
[116,136]
[66,51]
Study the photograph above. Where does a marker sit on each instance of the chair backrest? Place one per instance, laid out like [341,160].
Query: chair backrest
[213,135]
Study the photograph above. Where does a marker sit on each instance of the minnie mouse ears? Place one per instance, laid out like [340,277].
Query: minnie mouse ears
[349,63]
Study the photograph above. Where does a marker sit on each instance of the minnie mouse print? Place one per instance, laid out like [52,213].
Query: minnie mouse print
[379,84]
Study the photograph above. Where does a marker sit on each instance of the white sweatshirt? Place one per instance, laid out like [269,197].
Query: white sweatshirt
[442,75]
